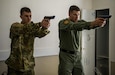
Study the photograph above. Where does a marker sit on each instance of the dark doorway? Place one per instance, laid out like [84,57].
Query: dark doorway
[102,45]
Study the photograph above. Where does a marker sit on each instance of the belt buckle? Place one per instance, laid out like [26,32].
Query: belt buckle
[72,52]
[67,51]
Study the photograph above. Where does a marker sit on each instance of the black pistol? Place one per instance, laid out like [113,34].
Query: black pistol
[104,16]
[49,17]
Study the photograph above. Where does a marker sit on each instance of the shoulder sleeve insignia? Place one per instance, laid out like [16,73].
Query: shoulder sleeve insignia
[66,22]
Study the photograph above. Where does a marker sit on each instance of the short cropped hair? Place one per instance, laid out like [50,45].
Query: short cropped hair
[24,9]
[74,7]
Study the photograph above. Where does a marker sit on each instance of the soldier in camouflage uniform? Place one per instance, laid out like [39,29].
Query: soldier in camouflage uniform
[21,60]
[69,35]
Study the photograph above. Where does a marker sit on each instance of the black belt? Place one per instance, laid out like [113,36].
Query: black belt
[67,51]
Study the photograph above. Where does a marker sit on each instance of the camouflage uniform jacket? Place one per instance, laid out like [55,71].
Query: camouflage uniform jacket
[22,43]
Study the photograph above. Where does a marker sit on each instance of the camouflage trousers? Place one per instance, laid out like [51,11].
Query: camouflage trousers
[70,64]
[14,72]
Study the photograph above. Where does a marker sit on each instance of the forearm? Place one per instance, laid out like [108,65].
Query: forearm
[43,32]
[80,25]
[40,31]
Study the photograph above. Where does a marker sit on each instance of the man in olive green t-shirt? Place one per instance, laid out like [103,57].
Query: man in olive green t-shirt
[69,36]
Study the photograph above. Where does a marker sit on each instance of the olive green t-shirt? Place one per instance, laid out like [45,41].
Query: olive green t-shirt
[69,33]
